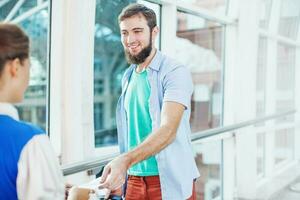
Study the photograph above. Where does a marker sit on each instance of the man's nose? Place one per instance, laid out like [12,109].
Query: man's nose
[131,38]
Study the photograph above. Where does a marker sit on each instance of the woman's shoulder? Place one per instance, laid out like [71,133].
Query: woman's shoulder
[33,129]
[19,129]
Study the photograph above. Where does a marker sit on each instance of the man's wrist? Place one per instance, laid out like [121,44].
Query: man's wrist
[128,160]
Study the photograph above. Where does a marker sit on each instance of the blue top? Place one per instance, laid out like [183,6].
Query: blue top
[14,135]
[139,121]
[169,81]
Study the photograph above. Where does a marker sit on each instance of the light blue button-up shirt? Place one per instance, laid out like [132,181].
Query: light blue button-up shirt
[169,81]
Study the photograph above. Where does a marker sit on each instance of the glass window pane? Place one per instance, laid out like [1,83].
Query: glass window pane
[11,9]
[285,100]
[261,102]
[261,76]
[289,18]
[265,11]
[285,81]
[261,150]
[284,145]
[208,157]
[216,6]
[35,22]
[109,66]
[204,39]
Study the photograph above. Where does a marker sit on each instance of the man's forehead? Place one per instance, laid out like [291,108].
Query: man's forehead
[139,16]
[135,21]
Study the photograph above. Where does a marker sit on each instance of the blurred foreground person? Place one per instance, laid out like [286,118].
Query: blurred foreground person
[28,166]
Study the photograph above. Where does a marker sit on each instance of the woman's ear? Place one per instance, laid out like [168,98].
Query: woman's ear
[14,67]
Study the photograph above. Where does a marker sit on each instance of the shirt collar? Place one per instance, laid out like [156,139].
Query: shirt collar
[155,62]
[9,110]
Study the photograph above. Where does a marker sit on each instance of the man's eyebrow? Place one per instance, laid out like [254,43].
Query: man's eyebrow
[134,29]
[137,29]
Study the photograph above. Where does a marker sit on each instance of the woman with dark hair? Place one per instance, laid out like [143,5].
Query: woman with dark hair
[28,166]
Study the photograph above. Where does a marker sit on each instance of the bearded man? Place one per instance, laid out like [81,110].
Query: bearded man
[153,112]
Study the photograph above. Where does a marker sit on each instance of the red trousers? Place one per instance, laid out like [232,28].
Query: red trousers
[146,188]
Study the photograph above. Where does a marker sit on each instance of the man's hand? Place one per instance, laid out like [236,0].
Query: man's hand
[117,192]
[114,173]
[113,176]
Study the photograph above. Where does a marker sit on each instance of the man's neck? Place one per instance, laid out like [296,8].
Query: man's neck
[148,60]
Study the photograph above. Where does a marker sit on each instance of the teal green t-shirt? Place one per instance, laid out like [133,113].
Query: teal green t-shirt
[139,121]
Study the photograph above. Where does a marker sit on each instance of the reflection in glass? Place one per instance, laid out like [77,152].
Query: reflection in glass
[265,7]
[261,101]
[204,59]
[109,66]
[285,100]
[216,6]
[284,145]
[208,159]
[203,39]
[289,18]
[261,76]
[34,19]
[261,150]
[285,81]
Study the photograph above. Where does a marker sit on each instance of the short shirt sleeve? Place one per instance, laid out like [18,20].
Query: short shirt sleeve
[178,86]
[39,174]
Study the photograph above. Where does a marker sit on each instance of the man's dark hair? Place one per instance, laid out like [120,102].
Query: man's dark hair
[14,43]
[136,9]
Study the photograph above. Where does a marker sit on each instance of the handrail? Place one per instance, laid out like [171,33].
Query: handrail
[97,163]
[218,131]
[87,165]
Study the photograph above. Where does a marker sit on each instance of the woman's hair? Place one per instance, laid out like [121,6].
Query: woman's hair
[14,43]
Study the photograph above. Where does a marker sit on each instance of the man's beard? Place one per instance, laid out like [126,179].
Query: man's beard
[140,57]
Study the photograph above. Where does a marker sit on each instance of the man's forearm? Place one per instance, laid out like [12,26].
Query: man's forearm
[113,175]
[156,141]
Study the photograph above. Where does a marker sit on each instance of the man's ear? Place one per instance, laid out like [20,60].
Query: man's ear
[155,31]
[14,67]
